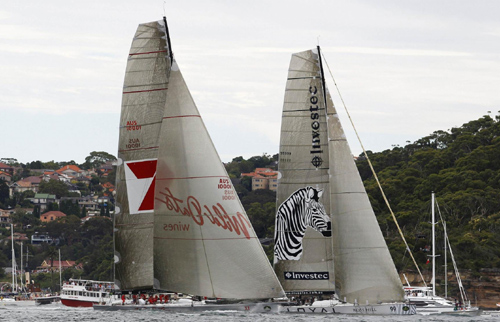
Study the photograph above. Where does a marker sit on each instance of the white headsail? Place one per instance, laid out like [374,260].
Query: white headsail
[204,241]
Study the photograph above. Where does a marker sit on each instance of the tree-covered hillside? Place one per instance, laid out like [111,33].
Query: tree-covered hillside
[462,167]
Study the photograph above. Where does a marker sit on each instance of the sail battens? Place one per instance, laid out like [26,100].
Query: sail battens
[143,124]
[298,145]
[301,169]
[302,110]
[178,116]
[139,149]
[130,86]
[305,77]
[348,192]
[308,59]
[146,90]
[149,52]
[191,178]
[134,224]
[207,239]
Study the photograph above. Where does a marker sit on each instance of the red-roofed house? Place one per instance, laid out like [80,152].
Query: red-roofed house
[35,180]
[6,168]
[108,185]
[5,176]
[70,170]
[20,237]
[106,168]
[20,186]
[263,178]
[5,218]
[51,216]
[55,265]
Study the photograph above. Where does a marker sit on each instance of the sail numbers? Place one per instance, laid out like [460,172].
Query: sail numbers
[133,144]
[228,191]
[224,184]
[132,126]
[285,157]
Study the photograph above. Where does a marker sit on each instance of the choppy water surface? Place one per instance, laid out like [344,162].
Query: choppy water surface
[51,313]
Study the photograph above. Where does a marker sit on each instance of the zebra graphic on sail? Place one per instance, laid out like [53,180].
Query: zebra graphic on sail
[299,211]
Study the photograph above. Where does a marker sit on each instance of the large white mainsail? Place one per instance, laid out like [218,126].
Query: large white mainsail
[303,265]
[314,153]
[143,105]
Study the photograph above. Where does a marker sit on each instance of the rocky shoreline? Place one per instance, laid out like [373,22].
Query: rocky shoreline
[483,288]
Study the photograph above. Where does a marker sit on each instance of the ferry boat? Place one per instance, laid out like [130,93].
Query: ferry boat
[85,293]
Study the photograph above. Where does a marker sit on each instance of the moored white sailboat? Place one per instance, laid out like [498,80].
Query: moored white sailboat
[425,298]
[180,225]
[327,240]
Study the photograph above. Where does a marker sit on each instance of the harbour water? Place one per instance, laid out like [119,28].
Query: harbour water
[51,313]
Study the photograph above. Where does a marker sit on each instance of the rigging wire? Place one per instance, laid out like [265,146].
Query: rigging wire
[461,288]
[375,174]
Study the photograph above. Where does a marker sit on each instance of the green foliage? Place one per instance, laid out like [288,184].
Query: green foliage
[4,262]
[90,243]
[35,165]
[111,176]
[96,159]
[246,182]
[463,168]
[70,207]
[262,218]
[4,191]
[23,219]
[461,165]
[36,211]
[239,165]
[83,213]
[98,265]
[25,201]
[261,196]
[54,187]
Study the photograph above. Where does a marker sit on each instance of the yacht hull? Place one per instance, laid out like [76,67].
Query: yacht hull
[376,309]
[177,308]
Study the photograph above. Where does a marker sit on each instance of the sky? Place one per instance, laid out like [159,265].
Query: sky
[404,68]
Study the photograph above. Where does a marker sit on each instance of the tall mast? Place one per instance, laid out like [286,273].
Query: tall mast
[445,265]
[323,85]
[433,250]
[322,76]
[13,257]
[21,270]
[60,272]
[170,55]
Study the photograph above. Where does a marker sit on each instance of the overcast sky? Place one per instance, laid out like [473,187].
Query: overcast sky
[404,68]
